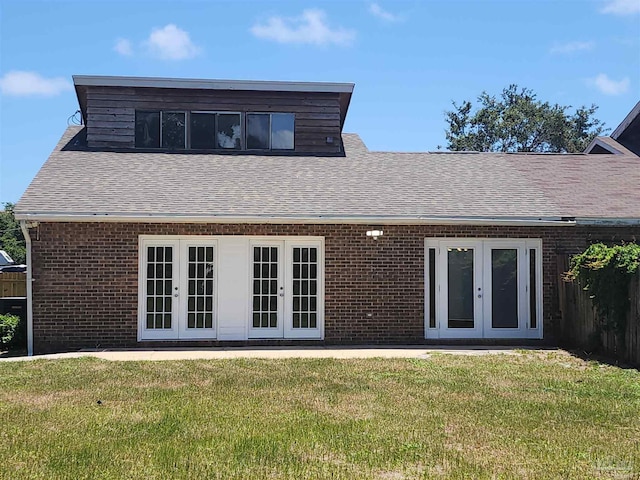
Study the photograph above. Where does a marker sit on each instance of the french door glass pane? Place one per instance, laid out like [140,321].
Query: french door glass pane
[460,287]
[504,288]
[159,287]
[432,288]
[200,287]
[265,287]
[533,313]
[305,280]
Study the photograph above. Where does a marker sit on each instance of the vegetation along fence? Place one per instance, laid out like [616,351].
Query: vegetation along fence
[581,327]
[13,284]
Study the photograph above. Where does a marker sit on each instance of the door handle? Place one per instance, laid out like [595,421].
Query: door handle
[479,296]
[175,294]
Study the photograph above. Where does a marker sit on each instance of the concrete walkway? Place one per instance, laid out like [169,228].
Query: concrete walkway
[410,351]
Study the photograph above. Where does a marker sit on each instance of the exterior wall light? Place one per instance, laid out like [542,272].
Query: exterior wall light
[374,233]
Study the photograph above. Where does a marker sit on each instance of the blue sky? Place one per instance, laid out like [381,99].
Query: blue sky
[408,59]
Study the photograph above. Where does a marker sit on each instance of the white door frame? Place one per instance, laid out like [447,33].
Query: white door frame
[482,280]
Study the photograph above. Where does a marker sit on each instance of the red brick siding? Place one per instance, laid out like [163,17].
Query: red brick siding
[86,277]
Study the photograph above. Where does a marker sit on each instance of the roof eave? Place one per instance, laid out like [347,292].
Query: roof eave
[206,84]
[608,221]
[599,142]
[635,111]
[294,219]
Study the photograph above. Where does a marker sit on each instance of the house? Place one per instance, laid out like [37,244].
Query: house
[206,212]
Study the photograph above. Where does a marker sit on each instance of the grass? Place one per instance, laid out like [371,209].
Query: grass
[537,415]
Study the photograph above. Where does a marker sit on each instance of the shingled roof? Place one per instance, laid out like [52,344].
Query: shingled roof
[77,183]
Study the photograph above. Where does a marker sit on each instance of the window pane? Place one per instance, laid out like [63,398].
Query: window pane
[432,288]
[533,312]
[460,288]
[282,128]
[147,129]
[504,288]
[228,133]
[203,128]
[173,127]
[257,131]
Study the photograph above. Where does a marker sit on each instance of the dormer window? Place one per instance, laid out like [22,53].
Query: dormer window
[173,129]
[210,130]
[270,131]
[160,129]
[204,130]
[147,129]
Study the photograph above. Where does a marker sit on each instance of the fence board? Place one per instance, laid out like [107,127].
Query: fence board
[580,321]
[13,284]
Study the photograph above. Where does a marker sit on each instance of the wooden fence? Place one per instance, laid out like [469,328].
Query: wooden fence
[13,284]
[580,322]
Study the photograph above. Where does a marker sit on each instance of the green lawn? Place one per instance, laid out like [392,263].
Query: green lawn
[539,415]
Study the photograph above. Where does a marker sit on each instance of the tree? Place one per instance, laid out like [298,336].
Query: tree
[11,238]
[518,122]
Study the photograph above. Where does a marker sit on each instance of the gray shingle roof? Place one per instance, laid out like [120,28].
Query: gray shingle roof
[360,184]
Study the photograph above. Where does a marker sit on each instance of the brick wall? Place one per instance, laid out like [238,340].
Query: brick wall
[86,280]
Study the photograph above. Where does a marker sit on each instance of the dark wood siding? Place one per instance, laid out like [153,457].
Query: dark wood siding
[111,112]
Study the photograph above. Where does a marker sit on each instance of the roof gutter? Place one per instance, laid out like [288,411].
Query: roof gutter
[599,221]
[27,237]
[284,219]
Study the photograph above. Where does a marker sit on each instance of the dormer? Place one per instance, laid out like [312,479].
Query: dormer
[213,116]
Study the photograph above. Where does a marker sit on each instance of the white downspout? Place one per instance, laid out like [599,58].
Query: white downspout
[27,237]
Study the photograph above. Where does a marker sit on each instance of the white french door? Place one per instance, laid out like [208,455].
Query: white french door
[178,290]
[286,289]
[267,289]
[483,288]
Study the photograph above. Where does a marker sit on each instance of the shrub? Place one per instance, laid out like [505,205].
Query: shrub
[9,325]
[605,272]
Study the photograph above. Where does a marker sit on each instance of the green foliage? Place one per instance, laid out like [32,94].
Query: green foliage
[8,329]
[11,238]
[606,272]
[519,122]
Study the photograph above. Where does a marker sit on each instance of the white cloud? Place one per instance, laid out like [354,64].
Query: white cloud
[123,47]
[310,27]
[171,43]
[377,11]
[572,47]
[22,84]
[621,7]
[609,86]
